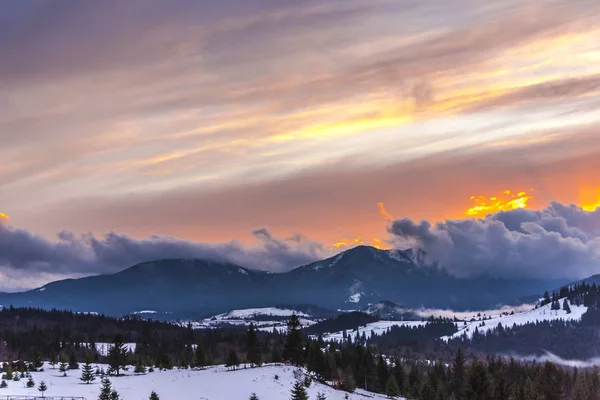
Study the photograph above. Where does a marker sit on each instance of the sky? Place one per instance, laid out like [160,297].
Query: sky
[284,131]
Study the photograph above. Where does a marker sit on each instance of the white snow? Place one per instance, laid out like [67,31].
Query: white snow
[507,321]
[378,327]
[103,348]
[215,383]
[355,298]
[247,316]
[145,312]
[253,312]
[242,271]
[42,289]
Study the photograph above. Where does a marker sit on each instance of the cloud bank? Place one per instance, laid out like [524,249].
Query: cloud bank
[560,241]
[24,255]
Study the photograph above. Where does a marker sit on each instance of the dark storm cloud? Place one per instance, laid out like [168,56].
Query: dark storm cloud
[71,254]
[560,241]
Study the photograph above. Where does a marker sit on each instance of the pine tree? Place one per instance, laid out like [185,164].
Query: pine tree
[548,382]
[391,387]
[477,385]
[382,373]
[199,357]
[458,373]
[254,355]
[566,306]
[63,366]
[232,360]
[154,396]
[293,349]
[8,372]
[501,390]
[87,372]
[321,396]
[73,364]
[139,367]
[299,392]
[53,360]
[36,360]
[253,396]
[105,390]
[3,384]
[117,355]
[114,395]
[30,382]
[42,388]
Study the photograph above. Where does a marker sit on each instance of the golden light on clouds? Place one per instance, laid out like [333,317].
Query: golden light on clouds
[507,200]
[590,199]
[4,217]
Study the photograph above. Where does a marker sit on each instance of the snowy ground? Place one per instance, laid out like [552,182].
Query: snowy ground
[253,315]
[496,317]
[507,321]
[379,327]
[214,383]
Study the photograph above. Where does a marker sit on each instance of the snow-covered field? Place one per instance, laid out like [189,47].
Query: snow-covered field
[257,316]
[507,321]
[379,328]
[215,383]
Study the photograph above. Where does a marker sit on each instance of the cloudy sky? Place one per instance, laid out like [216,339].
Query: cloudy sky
[274,128]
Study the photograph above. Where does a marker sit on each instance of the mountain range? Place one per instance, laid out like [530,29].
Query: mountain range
[185,288]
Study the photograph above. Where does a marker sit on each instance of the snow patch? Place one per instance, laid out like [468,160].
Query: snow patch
[544,313]
[355,298]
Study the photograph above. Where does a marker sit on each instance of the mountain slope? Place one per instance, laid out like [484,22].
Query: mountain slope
[350,280]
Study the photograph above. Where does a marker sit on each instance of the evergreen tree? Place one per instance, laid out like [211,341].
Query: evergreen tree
[398,372]
[3,384]
[254,355]
[8,372]
[114,395]
[348,382]
[30,382]
[117,355]
[566,306]
[105,390]
[580,389]
[199,357]
[458,373]
[73,364]
[64,365]
[477,385]
[232,360]
[293,349]
[548,382]
[36,360]
[87,372]
[42,388]
[321,396]
[139,367]
[382,373]
[501,390]
[299,392]
[391,388]
[53,360]
[253,396]
[154,396]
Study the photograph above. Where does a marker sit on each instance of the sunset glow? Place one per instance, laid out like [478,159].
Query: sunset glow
[507,200]
[4,217]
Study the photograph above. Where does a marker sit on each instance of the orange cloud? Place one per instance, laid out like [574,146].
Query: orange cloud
[508,200]
[383,212]
[4,217]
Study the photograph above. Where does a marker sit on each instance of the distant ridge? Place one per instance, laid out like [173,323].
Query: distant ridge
[351,279]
